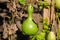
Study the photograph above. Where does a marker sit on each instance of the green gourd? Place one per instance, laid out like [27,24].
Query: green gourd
[28,26]
[57,4]
[51,36]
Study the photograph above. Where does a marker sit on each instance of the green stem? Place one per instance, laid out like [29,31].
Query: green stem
[58,30]
[10,37]
[30,16]
[12,21]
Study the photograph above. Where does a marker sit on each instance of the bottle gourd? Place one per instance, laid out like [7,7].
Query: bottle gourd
[28,26]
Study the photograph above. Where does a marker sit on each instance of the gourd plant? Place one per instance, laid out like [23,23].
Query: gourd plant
[28,26]
[42,34]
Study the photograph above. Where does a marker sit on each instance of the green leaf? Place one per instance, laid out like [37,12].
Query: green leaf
[40,4]
[43,3]
[46,4]
[41,36]
[22,2]
[58,13]
[34,38]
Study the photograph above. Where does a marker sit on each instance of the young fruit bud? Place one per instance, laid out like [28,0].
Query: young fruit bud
[51,36]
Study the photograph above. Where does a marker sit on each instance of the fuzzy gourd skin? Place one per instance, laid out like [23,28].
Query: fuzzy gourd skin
[51,36]
[57,4]
[28,26]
